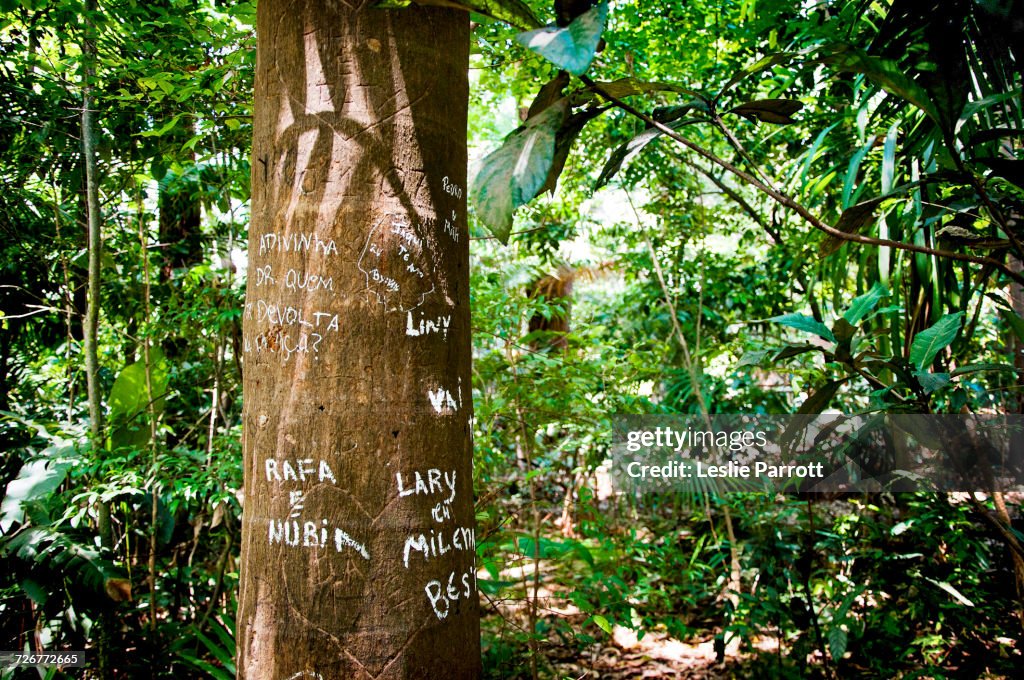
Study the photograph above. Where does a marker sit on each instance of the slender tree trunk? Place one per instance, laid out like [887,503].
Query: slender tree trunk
[358,535]
[95,245]
[92,312]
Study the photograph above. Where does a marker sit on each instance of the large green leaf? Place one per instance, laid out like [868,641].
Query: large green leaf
[889,158]
[863,305]
[805,323]
[514,12]
[130,396]
[929,342]
[56,551]
[602,623]
[35,590]
[971,109]
[572,47]
[512,175]
[37,479]
[567,134]
[978,368]
[957,595]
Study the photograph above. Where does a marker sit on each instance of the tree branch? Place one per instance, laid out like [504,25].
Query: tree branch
[787,201]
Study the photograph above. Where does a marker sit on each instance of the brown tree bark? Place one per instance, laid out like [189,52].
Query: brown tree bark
[358,540]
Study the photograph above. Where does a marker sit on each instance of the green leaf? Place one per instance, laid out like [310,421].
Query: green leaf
[777,111]
[854,167]
[929,342]
[863,305]
[37,479]
[753,357]
[837,641]
[212,671]
[572,47]
[1016,323]
[129,400]
[164,518]
[812,153]
[971,109]
[886,74]
[158,168]
[224,656]
[514,174]
[819,401]
[35,590]
[165,128]
[804,323]
[670,116]
[602,623]
[623,153]
[759,65]
[567,134]
[513,12]
[889,158]
[980,368]
[129,395]
[957,595]
[931,382]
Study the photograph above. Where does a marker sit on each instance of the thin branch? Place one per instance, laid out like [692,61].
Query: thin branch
[790,203]
[738,199]
[687,357]
[514,233]
[735,143]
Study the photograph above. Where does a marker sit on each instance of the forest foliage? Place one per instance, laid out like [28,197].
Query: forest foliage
[749,206]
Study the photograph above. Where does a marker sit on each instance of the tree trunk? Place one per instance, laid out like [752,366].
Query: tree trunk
[95,244]
[105,625]
[358,540]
